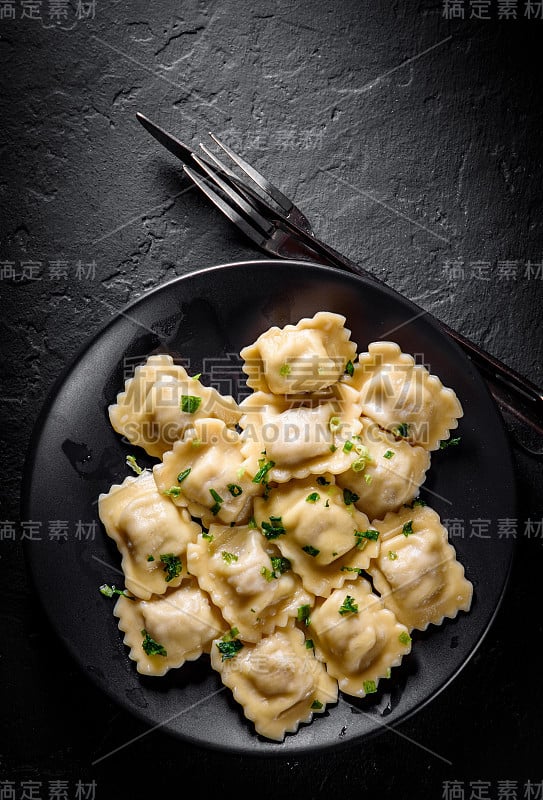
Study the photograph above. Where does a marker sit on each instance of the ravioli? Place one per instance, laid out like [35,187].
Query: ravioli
[161,402]
[403,397]
[278,681]
[326,539]
[151,534]
[358,638]
[388,473]
[416,572]
[306,357]
[247,578]
[164,632]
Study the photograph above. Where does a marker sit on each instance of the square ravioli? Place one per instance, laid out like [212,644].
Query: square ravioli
[278,681]
[316,526]
[416,572]
[164,632]
[151,534]
[358,638]
[248,579]
[162,401]
[306,357]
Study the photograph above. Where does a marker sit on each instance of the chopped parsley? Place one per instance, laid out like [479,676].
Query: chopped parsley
[310,550]
[358,570]
[369,687]
[182,475]
[348,606]
[349,368]
[264,468]
[407,528]
[401,430]
[229,646]
[322,481]
[150,647]
[172,566]
[304,614]
[418,501]
[333,448]
[392,555]
[404,638]
[280,565]
[285,370]
[252,523]
[150,558]
[449,443]
[133,464]
[389,454]
[309,644]
[208,536]
[362,536]
[189,403]
[268,574]
[313,497]
[317,705]
[173,491]
[349,497]
[229,557]
[112,591]
[234,489]
[216,507]
[197,376]
[273,528]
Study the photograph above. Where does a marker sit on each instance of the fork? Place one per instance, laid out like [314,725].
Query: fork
[286,233]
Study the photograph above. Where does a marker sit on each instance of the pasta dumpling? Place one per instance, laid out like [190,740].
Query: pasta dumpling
[388,473]
[206,473]
[151,534]
[162,401]
[306,357]
[316,526]
[302,437]
[247,577]
[164,632]
[403,397]
[358,638]
[416,572]
[278,681]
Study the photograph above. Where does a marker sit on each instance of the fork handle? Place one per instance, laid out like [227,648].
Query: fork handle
[514,393]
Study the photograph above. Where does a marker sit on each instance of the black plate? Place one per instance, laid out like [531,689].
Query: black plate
[206,317]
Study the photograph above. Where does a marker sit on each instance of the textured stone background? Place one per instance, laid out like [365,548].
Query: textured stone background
[414,142]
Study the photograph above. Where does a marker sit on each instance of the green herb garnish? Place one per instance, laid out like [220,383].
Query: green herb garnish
[229,646]
[172,565]
[234,489]
[407,528]
[363,536]
[150,647]
[111,591]
[358,570]
[349,497]
[182,475]
[285,370]
[369,687]
[322,481]
[389,454]
[313,497]
[229,557]
[404,638]
[348,446]
[349,368]
[265,467]
[216,507]
[173,491]
[150,558]
[303,614]
[392,555]
[348,606]
[310,550]
[309,644]
[317,705]
[280,564]
[449,443]
[273,528]
[401,430]
[133,464]
[268,574]
[189,403]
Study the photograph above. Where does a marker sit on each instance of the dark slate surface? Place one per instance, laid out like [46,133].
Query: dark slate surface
[414,141]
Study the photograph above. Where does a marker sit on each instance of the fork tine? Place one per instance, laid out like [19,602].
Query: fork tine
[228,211]
[276,194]
[236,198]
